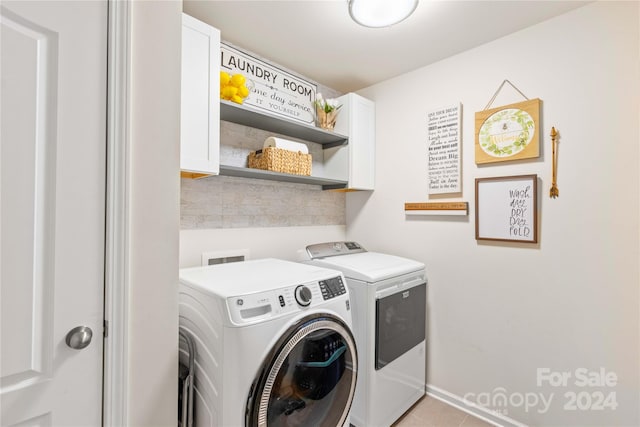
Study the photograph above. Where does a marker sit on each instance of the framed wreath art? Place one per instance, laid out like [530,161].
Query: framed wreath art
[510,132]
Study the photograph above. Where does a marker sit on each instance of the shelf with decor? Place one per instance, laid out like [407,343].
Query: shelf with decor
[253,117]
[348,160]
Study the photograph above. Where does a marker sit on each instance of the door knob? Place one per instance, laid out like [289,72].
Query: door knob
[79,337]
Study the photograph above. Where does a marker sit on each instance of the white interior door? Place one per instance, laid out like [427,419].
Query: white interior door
[52,200]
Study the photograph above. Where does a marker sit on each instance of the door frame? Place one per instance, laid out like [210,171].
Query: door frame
[117,238]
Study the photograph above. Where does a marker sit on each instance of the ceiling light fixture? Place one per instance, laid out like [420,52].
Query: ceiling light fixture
[381,13]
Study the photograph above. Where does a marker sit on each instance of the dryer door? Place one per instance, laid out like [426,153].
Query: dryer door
[400,323]
[308,379]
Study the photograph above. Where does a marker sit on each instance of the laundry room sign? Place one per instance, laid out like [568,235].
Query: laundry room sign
[272,90]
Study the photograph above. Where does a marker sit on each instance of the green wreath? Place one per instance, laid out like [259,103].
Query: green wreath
[522,140]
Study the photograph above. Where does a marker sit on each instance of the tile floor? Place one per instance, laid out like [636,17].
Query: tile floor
[431,412]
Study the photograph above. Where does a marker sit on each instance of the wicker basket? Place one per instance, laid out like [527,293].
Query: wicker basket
[279,160]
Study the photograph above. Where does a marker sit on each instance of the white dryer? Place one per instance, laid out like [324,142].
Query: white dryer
[388,296]
[273,344]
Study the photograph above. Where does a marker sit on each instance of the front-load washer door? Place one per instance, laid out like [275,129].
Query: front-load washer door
[309,377]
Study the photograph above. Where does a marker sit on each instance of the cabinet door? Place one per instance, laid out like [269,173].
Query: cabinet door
[357,121]
[200,104]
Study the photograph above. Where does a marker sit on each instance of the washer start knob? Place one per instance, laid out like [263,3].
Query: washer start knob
[303,295]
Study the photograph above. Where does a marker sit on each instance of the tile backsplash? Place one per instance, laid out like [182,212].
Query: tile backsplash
[230,202]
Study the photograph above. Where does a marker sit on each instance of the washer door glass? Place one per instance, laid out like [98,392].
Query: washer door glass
[309,379]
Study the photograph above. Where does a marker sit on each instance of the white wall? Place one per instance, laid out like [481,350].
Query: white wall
[500,311]
[268,242]
[154,197]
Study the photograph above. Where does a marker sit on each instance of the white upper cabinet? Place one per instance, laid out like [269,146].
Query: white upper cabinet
[200,104]
[354,162]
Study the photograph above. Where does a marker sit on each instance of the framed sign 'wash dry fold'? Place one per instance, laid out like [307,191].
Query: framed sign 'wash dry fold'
[507,208]
[510,132]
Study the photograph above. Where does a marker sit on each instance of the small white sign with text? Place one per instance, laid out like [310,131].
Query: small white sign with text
[443,145]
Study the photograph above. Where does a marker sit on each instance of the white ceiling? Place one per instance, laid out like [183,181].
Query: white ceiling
[318,40]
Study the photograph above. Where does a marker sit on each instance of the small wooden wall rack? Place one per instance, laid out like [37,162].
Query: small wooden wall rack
[437,208]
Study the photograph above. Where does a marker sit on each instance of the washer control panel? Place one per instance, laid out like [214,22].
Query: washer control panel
[332,288]
[251,308]
[323,250]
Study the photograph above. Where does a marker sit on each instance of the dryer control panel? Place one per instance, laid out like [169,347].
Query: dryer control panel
[251,308]
[323,250]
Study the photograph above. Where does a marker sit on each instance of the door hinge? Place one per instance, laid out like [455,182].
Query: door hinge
[105,328]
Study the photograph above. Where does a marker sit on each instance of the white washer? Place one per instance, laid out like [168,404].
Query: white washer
[388,296]
[273,344]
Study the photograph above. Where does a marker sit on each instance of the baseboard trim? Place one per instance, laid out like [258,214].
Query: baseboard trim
[477,411]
